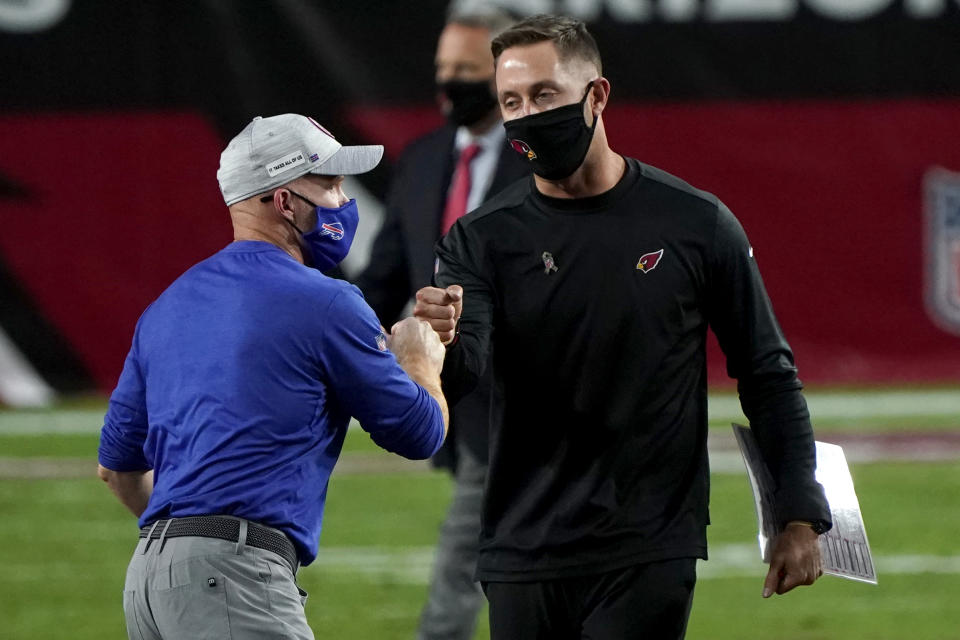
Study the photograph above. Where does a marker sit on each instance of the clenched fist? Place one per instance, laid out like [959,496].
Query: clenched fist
[414,343]
[441,308]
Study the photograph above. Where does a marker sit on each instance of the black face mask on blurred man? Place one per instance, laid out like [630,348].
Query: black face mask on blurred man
[471,100]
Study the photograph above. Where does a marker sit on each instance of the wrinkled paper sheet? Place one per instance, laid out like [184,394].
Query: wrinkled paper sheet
[845,550]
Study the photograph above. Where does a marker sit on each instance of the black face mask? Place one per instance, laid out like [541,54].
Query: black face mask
[471,101]
[554,141]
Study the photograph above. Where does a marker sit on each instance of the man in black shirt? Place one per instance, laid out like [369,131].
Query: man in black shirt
[596,280]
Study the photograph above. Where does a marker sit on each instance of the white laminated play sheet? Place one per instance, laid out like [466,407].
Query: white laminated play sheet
[845,550]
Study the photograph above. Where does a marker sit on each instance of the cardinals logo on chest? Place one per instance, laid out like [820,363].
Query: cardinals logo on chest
[649,261]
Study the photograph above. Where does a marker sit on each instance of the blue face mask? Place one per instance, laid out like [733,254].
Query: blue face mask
[327,244]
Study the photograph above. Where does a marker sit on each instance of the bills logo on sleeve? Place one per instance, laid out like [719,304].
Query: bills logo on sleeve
[649,261]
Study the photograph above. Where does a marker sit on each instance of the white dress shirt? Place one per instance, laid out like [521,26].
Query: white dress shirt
[484,165]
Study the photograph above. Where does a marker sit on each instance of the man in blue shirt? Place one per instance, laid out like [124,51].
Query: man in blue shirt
[235,398]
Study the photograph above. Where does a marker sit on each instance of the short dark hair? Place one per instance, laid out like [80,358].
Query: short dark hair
[568,35]
[495,21]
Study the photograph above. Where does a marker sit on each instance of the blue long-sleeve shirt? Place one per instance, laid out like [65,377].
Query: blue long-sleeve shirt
[239,386]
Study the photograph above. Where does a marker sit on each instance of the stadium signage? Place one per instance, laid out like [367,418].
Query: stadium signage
[942,192]
[725,10]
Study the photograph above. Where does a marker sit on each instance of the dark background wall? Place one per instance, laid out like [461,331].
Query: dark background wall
[816,121]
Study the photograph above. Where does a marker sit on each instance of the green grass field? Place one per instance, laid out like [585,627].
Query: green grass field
[65,542]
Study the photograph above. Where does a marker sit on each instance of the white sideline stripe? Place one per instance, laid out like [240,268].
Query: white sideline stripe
[46,422]
[855,405]
[412,565]
[724,461]
[723,407]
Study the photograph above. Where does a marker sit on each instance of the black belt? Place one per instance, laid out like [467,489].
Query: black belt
[224,529]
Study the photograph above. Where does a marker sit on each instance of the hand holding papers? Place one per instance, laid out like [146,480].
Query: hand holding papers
[845,550]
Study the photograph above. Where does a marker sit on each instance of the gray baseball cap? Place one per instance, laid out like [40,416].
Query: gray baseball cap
[273,151]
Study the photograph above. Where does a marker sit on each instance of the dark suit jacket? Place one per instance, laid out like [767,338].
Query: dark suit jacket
[402,258]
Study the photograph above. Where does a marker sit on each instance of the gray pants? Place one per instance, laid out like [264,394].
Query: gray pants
[455,599]
[211,589]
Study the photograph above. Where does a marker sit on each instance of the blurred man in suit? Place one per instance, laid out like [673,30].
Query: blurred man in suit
[438,178]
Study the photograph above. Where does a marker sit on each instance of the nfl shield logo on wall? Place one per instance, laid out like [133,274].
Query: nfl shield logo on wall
[942,250]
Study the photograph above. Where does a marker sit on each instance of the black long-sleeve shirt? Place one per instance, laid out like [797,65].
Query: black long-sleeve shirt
[598,455]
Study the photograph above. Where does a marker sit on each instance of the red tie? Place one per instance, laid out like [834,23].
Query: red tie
[459,188]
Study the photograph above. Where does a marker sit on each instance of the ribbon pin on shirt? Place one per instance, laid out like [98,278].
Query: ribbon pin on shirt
[549,264]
